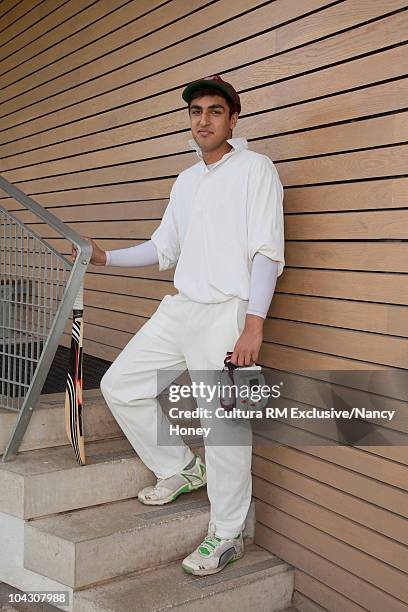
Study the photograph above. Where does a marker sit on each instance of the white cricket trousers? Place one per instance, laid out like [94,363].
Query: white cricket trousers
[181,335]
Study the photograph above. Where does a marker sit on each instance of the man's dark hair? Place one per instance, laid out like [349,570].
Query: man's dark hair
[210,91]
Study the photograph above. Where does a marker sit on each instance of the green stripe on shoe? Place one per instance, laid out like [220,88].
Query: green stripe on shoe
[185,489]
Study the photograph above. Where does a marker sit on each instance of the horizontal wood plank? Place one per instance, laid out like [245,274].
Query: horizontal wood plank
[308,590]
[363,346]
[365,133]
[157,27]
[363,487]
[5,7]
[105,129]
[373,194]
[379,575]
[381,162]
[352,195]
[379,318]
[23,18]
[344,255]
[288,358]
[47,41]
[301,602]
[354,533]
[150,53]
[378,34]
[25,12]
[314,232]
[272,479]
[329,572]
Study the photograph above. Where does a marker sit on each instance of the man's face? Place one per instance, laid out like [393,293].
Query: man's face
[211,124]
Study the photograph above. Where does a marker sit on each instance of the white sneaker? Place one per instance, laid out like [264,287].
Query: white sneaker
[168,489]
[213,554]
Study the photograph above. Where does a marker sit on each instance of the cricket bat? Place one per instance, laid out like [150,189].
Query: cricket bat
[73,392]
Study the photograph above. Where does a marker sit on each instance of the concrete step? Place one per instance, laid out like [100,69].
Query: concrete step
[48,481]
[47,424]
[95,544]
[259,581]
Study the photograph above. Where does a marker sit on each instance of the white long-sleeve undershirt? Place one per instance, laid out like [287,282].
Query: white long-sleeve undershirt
[264,272]
[143,254]
[264,275]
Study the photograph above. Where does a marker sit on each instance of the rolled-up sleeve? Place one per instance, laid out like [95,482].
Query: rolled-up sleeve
[265,213]
[166,237]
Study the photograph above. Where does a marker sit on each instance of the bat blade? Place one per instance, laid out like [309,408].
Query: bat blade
[74,384]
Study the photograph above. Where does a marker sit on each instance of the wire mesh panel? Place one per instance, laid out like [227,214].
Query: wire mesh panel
[38,290]
[33,278]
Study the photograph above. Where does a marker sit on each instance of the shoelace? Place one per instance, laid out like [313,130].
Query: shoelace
[210,542]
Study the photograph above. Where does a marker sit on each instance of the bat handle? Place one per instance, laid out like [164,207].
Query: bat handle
[79,300]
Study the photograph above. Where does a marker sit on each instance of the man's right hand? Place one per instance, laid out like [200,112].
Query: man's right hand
[98,257]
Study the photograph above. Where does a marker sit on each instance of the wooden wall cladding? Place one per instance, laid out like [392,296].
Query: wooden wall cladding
[92,125]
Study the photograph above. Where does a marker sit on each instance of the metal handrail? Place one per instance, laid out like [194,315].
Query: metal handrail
[72,286]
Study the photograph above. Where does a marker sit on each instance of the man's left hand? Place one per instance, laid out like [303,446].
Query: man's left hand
[249,343]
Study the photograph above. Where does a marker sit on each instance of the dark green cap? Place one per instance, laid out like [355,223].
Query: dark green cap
[215,82]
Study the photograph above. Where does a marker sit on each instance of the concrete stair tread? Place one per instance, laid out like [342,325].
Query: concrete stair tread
[123,516]
[45,460]
[47,424]
[92,545]
[170,587]
[48,481]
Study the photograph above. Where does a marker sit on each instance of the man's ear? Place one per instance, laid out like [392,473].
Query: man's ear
[233,120]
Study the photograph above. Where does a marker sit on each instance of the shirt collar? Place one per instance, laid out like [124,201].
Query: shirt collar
[237,144]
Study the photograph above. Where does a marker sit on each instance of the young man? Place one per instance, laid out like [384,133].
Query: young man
[223,229]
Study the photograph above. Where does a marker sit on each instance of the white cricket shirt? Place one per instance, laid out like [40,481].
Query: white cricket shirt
[217,219]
